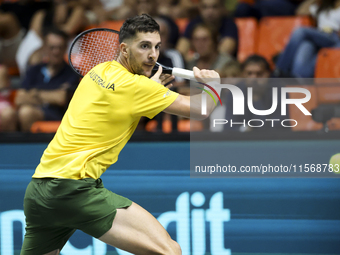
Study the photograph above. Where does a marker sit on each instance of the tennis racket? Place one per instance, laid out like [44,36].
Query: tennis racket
[98,45]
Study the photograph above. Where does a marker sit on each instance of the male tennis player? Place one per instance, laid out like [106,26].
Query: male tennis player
[66,192]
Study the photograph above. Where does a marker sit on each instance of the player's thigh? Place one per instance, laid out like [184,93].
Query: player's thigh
[44,240]
[137,231]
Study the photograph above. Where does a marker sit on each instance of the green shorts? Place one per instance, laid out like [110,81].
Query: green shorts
[56,208]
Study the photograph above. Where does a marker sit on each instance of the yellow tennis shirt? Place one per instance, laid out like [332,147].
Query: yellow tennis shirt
[102,115]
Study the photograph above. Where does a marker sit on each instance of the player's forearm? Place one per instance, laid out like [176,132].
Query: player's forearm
[199,110]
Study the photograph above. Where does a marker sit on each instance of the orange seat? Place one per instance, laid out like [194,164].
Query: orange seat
[187,125]
[12,71]
[328,64]
[251,2]
[247,34]
[274,33]
[90,27]
[12,96]
[184,125]
[112,24]
[182,24]
[45,126]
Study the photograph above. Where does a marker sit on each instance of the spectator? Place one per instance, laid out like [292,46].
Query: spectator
[14,19]
[256,72]
[212,13]
[299,57]
[177,9]
[23,10]
[265,8]
[68,16]
[11,35]
[172,58]
[231,69]
[7,112]
[168,55]
[47,87]
[98,11]
[204,43]
[230,74]
[151,7]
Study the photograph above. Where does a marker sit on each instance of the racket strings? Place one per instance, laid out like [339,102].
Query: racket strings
[94,48]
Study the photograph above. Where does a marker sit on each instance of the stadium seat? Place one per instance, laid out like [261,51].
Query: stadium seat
[328,64]
[45,126]
[112,24]
[247,34]
[90,27]
[13,71]
[274,33]
[12,96]
[183,125]
[182,24]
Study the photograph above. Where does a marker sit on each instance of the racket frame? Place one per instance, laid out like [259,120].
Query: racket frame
[82,34]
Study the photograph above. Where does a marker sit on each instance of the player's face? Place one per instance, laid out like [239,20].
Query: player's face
[144,52]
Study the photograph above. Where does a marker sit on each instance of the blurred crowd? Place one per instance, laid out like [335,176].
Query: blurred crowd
[36,82]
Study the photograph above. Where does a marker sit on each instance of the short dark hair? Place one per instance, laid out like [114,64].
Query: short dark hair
[55,31]
[257,59]
[212,31]
[139,24]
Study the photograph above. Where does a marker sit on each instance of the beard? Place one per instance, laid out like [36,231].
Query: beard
[136,67]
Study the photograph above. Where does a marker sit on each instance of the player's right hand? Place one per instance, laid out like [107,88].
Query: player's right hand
[204,75]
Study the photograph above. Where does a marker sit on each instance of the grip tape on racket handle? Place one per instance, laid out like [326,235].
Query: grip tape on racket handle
[185,74]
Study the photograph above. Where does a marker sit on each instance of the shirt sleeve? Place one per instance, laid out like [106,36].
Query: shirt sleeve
[150,97]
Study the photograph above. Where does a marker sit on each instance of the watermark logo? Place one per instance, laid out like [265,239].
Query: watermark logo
[239,102]
[209,93]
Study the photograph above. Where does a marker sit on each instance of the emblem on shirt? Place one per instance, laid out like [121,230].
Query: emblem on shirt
[168,93]
[100,81]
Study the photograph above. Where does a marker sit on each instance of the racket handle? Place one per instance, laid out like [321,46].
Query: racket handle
[185,74]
